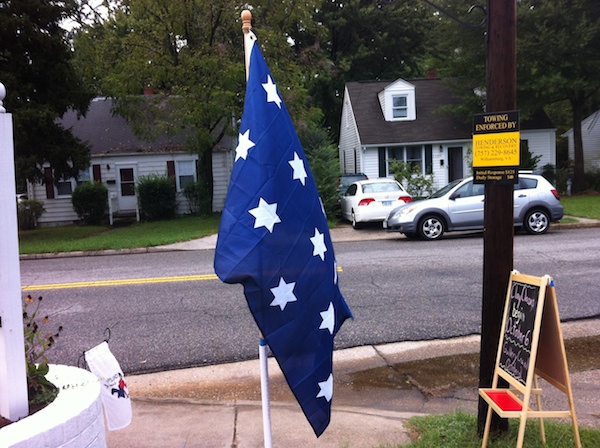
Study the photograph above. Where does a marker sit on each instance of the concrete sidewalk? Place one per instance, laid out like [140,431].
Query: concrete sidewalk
[219,406]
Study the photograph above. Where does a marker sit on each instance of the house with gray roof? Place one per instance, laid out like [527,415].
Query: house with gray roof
[119,158]
[409,121]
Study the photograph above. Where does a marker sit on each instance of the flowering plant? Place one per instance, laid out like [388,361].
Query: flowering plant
[37,343]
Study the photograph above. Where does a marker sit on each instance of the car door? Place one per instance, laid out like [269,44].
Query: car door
[522,195]
[465,206]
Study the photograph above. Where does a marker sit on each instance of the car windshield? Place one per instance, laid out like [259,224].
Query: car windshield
[441,192]
[346,179]
[380,187]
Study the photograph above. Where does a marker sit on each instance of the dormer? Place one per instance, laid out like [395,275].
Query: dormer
[397,101]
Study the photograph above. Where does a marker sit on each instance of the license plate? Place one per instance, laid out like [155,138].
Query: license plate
[386,203]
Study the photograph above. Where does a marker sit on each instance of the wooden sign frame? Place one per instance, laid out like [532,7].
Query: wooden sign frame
[530,316]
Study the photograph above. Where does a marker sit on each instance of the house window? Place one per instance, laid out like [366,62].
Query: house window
[186,173]
[415,155]
[399,106]
[64,187]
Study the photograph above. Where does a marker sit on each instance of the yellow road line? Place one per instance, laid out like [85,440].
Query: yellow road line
[127,281]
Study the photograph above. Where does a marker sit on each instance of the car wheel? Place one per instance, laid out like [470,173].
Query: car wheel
[431,228]
[536,222]
[355,224]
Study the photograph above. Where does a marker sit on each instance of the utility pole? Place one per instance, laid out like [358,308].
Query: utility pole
[501,87]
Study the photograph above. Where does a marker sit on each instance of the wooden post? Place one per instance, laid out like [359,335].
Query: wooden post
[13,381]
[501,87]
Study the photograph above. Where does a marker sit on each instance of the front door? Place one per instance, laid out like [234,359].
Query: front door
[126,187]
[455,163]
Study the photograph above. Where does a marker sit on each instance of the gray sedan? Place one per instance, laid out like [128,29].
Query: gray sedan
[459,206]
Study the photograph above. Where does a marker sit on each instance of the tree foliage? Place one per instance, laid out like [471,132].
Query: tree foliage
[36,68]
[324,164]
[559,59]
[364,40]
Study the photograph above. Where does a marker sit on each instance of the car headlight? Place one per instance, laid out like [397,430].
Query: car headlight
[402,211]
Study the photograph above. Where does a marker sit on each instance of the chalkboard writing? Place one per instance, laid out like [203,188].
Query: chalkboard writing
[518,333]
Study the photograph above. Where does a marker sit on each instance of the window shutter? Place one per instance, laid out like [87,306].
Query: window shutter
[96,173]
[171,171]
[49,181]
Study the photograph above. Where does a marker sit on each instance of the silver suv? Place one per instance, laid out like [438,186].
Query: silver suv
[459,206]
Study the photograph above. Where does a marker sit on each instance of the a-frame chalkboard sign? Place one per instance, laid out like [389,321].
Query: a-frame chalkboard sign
[531,346]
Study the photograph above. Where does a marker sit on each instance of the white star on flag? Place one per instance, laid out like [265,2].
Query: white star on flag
[271,89]
[326,388]
[284,294]
[318,242]
[265,214]
[297,165]
[328,317]
[244,144]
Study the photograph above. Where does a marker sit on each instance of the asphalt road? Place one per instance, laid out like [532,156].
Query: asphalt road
[168,310]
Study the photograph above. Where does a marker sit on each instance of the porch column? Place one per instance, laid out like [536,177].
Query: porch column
[13,381]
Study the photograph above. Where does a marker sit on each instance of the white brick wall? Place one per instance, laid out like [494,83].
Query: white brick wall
[73,420]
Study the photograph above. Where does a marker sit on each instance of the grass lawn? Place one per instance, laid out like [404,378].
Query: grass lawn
[585,206]
[460,431]
[141,234]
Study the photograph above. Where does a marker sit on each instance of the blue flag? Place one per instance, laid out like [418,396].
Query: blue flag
[274,240]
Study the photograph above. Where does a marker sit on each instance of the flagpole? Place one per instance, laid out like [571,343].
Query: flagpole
[263,349]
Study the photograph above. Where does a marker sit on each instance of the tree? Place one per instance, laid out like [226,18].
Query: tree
[559,57]
[191,54]
[41,83]
[364,40]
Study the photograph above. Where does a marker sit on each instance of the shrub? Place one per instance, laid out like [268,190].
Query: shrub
[322,157]
[198,197]
[90,202]
[28,213]
[157,197]
[417,184]
[592,180]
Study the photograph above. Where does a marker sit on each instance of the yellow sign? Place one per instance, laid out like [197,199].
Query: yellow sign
[498,149]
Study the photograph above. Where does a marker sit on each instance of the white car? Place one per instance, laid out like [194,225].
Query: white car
[372,200]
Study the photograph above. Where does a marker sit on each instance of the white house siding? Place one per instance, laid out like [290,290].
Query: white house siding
[542,143]
[590,135]
[222,165]
[59,211]
[349,145]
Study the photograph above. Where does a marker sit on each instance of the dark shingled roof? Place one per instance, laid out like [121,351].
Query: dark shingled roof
[431,124]
[111,134]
